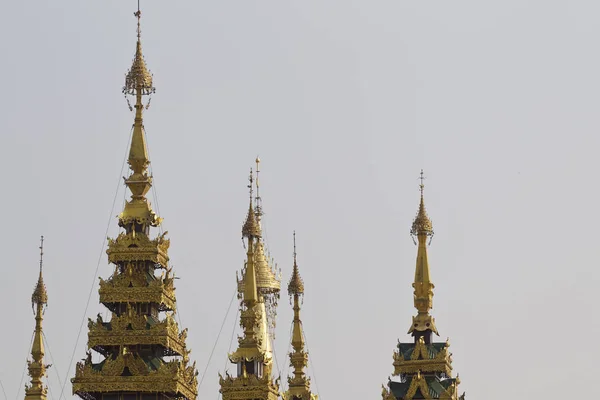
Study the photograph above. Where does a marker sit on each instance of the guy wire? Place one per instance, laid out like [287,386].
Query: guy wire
[87,304]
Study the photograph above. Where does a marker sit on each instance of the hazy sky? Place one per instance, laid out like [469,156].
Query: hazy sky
[345,101]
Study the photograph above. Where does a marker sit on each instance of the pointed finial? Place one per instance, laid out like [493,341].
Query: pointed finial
[250,181]
[421,225]
[41,252]
[138,80]
[138,15]
[258,199]
[296,285]
[251,227]
[40,296]
[294,247]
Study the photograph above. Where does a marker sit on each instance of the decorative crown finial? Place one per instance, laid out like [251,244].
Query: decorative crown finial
[40,296]
[422,224]
[251,227]
[138,80]
[296,285]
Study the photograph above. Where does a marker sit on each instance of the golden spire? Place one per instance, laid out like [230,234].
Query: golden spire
[423,294]
[253,356]
[267,281]
[250,290]
[138,83]
[36,390]
[299,384]
[142,350]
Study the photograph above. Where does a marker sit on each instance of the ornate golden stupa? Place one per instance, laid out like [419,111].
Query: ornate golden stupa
[424,368]
[268,282]
[142,331]
[299,384]
[254,356]
[36,390]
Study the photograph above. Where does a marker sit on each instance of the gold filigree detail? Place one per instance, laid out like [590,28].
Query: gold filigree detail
[132,286]
[128,247]
[418,383]
[248,387]
[132,329]
[422,224]
[423,358]
[171,377]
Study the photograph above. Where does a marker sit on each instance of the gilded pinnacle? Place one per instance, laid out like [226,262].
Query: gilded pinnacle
[138,78]
[251,228]
[40,296]
[422,224]
[423,287]
[36,390]
[296,285]
[299,383]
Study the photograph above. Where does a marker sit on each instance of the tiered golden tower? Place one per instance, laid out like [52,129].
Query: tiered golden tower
[254,357]
[299,384]
[142,331]
[424,368]
[36,390]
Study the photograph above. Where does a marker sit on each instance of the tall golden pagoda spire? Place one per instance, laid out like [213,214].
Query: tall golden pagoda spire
[423,323]
[142,330]
[138,83]
[299,384]
[36,390]
[424,367]
[267,280]
[253,357]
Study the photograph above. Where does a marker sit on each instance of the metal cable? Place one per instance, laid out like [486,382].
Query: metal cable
[87,304]
[155,198]
[288,351]
[217,340]
[312,366]
[24,368]
[230,343]
[51,359]
[3,391]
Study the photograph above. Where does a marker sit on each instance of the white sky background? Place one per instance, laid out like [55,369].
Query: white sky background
[344,101]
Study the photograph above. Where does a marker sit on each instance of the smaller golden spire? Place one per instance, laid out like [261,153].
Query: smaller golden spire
[423,287]
[36,390]
[299,384]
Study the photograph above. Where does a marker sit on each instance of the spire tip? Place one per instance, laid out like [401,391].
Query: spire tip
[422,225]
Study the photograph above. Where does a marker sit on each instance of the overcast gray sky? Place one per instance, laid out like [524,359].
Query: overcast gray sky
[344,101]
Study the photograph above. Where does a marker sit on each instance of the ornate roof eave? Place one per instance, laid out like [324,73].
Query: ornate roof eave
[171,377]
[135,330]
